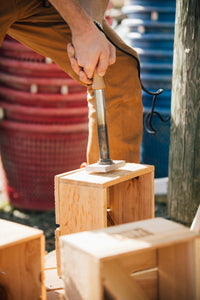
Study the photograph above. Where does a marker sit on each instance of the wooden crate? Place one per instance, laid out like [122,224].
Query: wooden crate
[84,201]
[152,259]
[22,251]
[82,198]
[54,285]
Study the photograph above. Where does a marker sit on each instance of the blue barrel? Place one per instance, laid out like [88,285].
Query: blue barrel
[155,41]
[163,101]
[155,56]
[146,26]
[153,3]
[146,11]
[155,148]
[149,29]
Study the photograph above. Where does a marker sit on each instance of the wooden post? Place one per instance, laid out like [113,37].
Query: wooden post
[184,162]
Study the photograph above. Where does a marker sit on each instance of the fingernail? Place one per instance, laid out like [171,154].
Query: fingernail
[101,74]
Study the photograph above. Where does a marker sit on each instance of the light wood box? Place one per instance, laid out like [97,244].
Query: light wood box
[152,259]
[82,198]
[22,251]
[54,285]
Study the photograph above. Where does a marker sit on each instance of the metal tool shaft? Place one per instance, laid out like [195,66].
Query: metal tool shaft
[102,127]
[98,86]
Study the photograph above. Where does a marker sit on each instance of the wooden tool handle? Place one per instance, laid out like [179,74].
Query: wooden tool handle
[98,82]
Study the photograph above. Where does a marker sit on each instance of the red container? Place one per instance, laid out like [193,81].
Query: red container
[13,49]
[45,129]
[48,115]
[43,100]
[31,68]
[33,154]
[42,85]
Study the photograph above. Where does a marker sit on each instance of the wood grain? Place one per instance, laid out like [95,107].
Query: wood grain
[22,252]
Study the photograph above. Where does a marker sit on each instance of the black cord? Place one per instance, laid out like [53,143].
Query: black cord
[150,114]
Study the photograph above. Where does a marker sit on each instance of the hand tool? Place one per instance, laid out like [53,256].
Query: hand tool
[105,164]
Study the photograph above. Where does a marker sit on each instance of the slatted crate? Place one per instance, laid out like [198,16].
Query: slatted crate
[22,251]
[54,285]
[82,199]
[146,260]
[88,201]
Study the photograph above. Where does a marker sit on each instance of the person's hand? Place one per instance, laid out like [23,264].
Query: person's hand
[88,51]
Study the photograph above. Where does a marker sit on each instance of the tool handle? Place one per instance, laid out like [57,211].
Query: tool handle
[98,82]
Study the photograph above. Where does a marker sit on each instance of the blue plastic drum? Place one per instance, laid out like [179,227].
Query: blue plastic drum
[155,147]
[149,29]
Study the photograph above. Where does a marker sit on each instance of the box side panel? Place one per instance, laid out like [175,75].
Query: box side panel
[82,208]
[132,200]
[137,268]
[22,270]
[118,282]
[138,261]
[148,280]
[57,197]
[80,273]
[176,265]
[197,268]
[58,262]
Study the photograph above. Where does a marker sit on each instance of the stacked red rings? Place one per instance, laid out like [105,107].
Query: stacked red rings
[44,129]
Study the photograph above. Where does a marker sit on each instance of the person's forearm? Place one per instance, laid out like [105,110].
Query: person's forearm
[95,8]
[74,14]
[89,50]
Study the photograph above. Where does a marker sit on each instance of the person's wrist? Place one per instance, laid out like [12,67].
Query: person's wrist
[84,25]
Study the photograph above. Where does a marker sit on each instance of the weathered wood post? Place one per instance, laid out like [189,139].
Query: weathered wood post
[184,156]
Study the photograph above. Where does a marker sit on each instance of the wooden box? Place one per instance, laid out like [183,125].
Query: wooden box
[88,201]
[82,199]
[152,259]
[22,251]
[53,284]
